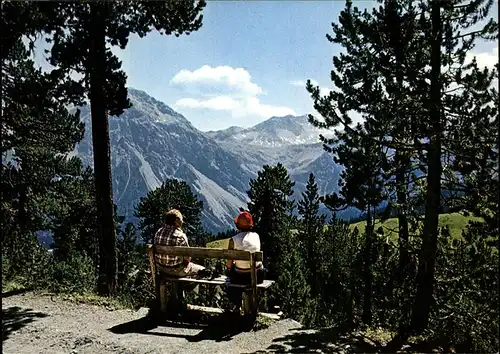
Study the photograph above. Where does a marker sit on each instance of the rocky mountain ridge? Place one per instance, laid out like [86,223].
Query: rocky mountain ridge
[150,142]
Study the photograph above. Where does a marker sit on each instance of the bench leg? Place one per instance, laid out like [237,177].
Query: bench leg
[163,297]
[251,299]
[174,296]
[176,300]
[249,309]
[247,304]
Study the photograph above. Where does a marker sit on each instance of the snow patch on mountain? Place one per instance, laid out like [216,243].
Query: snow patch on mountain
[274,132]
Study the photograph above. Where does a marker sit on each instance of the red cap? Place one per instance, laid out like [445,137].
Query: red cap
[244,220]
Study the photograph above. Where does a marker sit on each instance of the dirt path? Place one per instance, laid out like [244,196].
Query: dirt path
[41,324]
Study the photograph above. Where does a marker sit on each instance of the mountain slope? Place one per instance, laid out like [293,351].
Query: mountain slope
[150,143]
[290,140]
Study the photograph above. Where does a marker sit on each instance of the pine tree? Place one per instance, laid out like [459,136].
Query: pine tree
[172,194]
[73,221]
[364,162]
[79,34]
[372,79]
[384,76]
[339,267]
[271,207]
[37,134]
[128,255]
[310,228]
[465,118]
[293,290]
[361,186]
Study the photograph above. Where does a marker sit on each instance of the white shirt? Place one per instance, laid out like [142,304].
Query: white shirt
[246,241]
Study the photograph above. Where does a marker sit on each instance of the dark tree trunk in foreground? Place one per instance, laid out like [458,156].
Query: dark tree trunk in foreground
[367,271]
[401,160]
[425,278]
[108,276]
[402,219]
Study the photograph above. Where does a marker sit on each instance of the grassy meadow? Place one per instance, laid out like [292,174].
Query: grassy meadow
[455,221]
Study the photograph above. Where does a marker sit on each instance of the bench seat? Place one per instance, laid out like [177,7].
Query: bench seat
[272,316]
[222,280]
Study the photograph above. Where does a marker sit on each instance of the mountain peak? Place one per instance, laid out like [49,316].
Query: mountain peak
[154,109]
[273,132]
[281,122]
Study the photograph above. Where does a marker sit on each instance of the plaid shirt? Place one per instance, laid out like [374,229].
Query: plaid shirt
[170,236]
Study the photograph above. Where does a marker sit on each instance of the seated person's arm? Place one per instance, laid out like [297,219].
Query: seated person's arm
[229,262]
[186,244]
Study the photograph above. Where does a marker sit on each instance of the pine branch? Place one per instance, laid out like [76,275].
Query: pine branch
[474,33]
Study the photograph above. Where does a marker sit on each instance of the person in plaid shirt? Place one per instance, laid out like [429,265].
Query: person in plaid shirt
[171,234]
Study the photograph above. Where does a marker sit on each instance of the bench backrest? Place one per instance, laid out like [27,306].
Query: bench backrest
[201,252]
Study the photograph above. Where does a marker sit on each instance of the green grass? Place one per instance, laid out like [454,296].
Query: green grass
[222,243]
[456,222]
[12,285]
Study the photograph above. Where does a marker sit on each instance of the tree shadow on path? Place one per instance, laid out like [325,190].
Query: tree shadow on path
[15,292]
[215,327]
[329,340]
[15,318]
[334,340]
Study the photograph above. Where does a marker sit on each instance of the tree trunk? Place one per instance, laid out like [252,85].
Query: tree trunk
[401,158]
[425,277]
[367,272]
[22,215]
[402,215]
[497,228]
[108,276]
[401,162]
[403,242]
[351,298]
[19,241]
[310,257]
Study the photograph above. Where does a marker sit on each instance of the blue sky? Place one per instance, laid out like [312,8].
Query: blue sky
[248,62]
[250,53]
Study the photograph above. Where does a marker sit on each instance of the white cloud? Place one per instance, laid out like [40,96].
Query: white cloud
[484,59]
[488,59]
[224,88]
[239,108]
[237,79]
[255,106]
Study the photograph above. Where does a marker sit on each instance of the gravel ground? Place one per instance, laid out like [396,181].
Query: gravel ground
[34,323]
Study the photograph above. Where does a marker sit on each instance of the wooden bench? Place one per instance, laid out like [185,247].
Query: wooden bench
[251,300]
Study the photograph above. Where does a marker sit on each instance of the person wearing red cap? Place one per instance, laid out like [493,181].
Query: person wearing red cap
[239,271]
